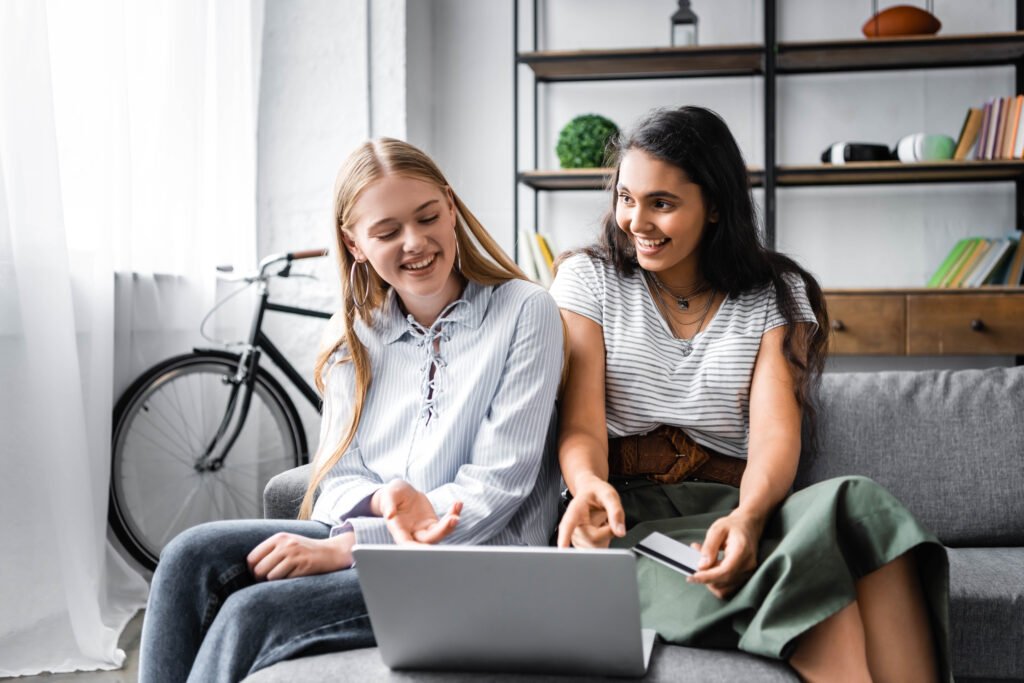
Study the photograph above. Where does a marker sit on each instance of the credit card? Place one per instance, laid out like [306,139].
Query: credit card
[669,552]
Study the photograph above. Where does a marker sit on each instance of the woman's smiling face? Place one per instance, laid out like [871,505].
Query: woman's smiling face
[405,228]
[663,213]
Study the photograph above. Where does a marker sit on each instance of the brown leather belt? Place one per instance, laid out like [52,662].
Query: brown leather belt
[668,455]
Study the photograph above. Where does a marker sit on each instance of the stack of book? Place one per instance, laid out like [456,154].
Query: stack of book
[992,131]
[977,261]
[536,257]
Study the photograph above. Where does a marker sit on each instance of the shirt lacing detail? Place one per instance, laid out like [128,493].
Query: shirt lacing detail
[434,360]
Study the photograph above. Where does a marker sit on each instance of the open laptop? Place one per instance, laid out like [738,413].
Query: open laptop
[507,609]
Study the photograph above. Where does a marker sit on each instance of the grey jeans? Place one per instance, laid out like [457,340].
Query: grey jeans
[209,620]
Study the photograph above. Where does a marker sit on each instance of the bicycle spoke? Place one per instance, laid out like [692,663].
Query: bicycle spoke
[212,496]
[181,412]
[256,463]
[154,411]
[158,504]
[239,512]
[232,491]
[174,522]
[184,460]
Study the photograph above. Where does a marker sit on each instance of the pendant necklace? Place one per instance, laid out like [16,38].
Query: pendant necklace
[682,300]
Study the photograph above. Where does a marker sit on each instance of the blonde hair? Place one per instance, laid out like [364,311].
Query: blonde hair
[373,160]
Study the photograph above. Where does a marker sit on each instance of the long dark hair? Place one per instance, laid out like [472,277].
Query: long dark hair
[733,257]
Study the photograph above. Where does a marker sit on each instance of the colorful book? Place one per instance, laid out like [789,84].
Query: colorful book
[1002,269]
[526,263]
[543,272]
[1012,126]
[968,134]
[948,262]
[990,262]
[979,149]
[1000,124]
[997,141]
[958,264]
[1015,272]
[545,250]
[971,263]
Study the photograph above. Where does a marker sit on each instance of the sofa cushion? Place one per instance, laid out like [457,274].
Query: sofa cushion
[283,494]
[948,444]
[669,663]
[987,612]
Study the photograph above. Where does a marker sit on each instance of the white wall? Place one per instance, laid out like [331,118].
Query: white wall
[335,72]
[313,111]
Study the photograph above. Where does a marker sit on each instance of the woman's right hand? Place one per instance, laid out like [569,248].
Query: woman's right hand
[594,516]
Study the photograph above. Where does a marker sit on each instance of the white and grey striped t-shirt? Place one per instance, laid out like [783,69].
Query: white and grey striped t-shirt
[470,419]
[654,378]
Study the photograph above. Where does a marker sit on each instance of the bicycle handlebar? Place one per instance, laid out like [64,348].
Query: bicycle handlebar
[307,253]
[267,261]
[288,257]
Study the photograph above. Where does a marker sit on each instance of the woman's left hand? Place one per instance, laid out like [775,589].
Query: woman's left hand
[287,556]
[410,515]
[737,535]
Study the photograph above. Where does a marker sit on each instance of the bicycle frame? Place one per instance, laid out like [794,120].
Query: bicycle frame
[245,376]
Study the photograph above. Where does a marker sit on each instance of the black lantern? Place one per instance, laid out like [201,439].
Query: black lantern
[684,25]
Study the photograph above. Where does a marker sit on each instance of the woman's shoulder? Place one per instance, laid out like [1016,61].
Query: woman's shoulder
[513,295]
[584,262]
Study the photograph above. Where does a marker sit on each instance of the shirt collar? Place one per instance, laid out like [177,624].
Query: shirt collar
[394,324]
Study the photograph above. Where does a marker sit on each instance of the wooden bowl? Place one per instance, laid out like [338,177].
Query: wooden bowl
[901,20]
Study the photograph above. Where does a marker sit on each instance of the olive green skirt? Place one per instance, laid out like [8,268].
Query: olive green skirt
[819,542]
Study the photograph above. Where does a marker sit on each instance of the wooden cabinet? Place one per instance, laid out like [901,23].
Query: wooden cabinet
[867,325]
[927,322]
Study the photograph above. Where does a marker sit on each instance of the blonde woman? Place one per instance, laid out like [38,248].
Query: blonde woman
[437,427]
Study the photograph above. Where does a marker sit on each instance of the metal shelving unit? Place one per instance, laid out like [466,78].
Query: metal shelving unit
[780,59]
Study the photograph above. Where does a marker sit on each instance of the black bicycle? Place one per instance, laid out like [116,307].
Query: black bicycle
[197,436]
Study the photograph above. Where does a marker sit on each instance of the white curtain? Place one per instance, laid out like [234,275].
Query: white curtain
[127,144]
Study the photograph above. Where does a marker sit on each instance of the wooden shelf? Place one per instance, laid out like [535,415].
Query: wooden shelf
[890,172]
[590,178]
[668,62]
[861,173]
[886,291]
[910,52]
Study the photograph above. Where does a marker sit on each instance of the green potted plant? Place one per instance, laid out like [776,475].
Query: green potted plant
[583,142]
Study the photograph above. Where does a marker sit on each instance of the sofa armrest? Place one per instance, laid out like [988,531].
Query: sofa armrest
[283,494]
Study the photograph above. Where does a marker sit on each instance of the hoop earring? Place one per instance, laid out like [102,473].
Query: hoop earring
[352,283]
[458,255]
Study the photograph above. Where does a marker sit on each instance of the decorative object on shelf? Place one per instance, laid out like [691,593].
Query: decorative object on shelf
[840,153]
[925,147]
[901,20]
[684,26]
[583,142]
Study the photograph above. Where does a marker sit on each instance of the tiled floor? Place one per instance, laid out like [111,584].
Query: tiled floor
[129,673]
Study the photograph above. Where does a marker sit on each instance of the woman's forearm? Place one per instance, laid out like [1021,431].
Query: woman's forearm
[581,456]
[767,479]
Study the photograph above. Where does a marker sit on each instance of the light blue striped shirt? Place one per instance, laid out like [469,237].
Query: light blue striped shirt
[481,429]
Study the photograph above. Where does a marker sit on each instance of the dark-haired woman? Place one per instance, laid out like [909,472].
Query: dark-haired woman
[694,351]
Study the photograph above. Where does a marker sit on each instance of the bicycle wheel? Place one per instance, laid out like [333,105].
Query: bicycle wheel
[162,426]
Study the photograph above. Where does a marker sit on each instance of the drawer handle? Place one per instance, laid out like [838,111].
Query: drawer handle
[838,325]
[977,325]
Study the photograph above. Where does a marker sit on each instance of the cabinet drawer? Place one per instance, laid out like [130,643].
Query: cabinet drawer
[867,325]
[965,324]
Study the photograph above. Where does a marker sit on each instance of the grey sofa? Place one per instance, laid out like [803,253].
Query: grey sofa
[949,444]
